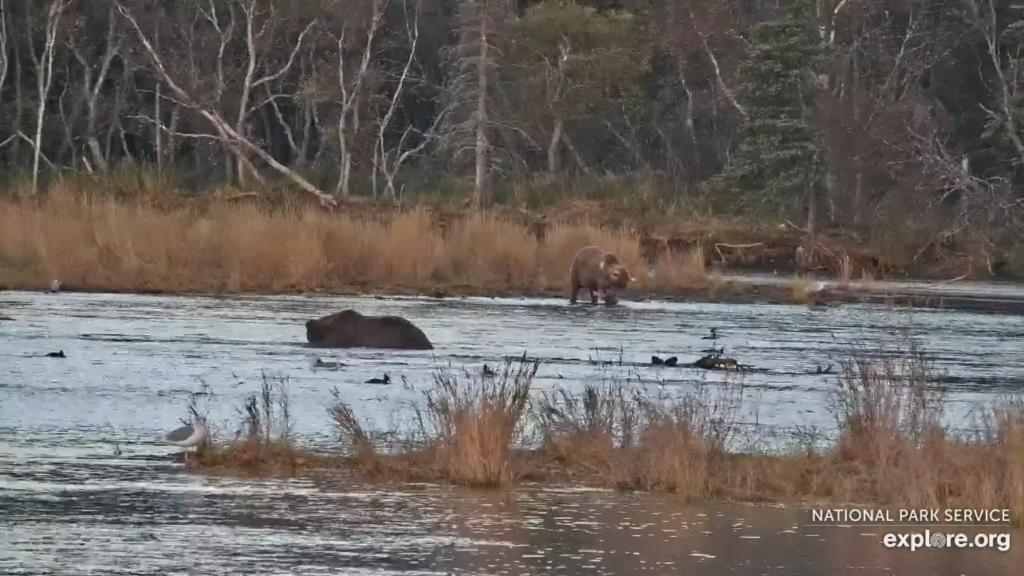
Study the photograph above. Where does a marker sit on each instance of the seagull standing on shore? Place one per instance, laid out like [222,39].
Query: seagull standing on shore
[815,292]
[189,436]
[55,286]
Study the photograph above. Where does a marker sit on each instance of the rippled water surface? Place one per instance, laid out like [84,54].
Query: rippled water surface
[69,506]
[133,360]
[79,510]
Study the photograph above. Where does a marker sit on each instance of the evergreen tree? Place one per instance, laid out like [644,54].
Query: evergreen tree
[780,156]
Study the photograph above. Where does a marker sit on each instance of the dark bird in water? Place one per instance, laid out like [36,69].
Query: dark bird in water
[670,361]
[714,350]
[713,336]
[56,355]
[385,380]
[488,371]
[321,364]
[827,370]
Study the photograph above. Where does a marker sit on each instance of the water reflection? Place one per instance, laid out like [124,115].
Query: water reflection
[142,515]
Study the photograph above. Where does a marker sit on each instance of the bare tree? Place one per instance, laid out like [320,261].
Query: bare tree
[93,81]
[43,63]
[351,84]
[705,31]
[225,32]
[871,111]
[253,58]
[307,97]
[4,62]
[471,93]
[573,64]
[389,161]
[224,130]
[981,15]
[481,184]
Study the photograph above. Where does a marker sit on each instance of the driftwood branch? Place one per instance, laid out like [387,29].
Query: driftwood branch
[720,245]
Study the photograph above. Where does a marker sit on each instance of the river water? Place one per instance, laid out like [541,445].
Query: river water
[134,360]
[73,508]
[86,486]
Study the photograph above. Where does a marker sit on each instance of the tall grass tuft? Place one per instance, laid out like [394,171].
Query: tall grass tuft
[263,437]
[475,423]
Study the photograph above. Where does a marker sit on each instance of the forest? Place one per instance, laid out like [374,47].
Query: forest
[849,114]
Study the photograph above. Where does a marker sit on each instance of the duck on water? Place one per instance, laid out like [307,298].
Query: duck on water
[385,380]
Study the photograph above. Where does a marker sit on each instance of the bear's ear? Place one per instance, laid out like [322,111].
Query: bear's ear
[608,259]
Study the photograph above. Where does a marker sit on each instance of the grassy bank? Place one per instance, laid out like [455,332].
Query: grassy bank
[248,248]
[891,448]
[109,240]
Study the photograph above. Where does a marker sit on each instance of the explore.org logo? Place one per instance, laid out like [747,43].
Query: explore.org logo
[925,528]
[929,539]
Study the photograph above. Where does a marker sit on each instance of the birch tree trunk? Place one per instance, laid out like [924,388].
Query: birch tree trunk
[44,79]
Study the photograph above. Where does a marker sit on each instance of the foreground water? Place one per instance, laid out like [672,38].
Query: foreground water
[76,509]
[69,505]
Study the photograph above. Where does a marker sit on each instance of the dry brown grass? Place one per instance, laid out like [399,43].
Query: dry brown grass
[682,269]
[891,448]
[105,244]
[132,205]
[470,430]
[263,440]
[845,270]
[800,287]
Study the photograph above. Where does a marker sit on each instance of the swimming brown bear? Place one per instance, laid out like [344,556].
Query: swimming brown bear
[600,273]
[350,329]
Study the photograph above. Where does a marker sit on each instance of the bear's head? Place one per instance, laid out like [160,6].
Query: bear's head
[315,330]
[617,274]
[320,329]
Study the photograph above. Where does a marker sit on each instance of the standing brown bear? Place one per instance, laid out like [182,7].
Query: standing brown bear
[599,272]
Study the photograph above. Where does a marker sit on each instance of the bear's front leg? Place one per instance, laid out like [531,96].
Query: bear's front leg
[610,299]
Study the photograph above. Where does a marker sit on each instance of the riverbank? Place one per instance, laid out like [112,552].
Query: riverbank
[228,248]
[497,431]
[724,290]
[232,248]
